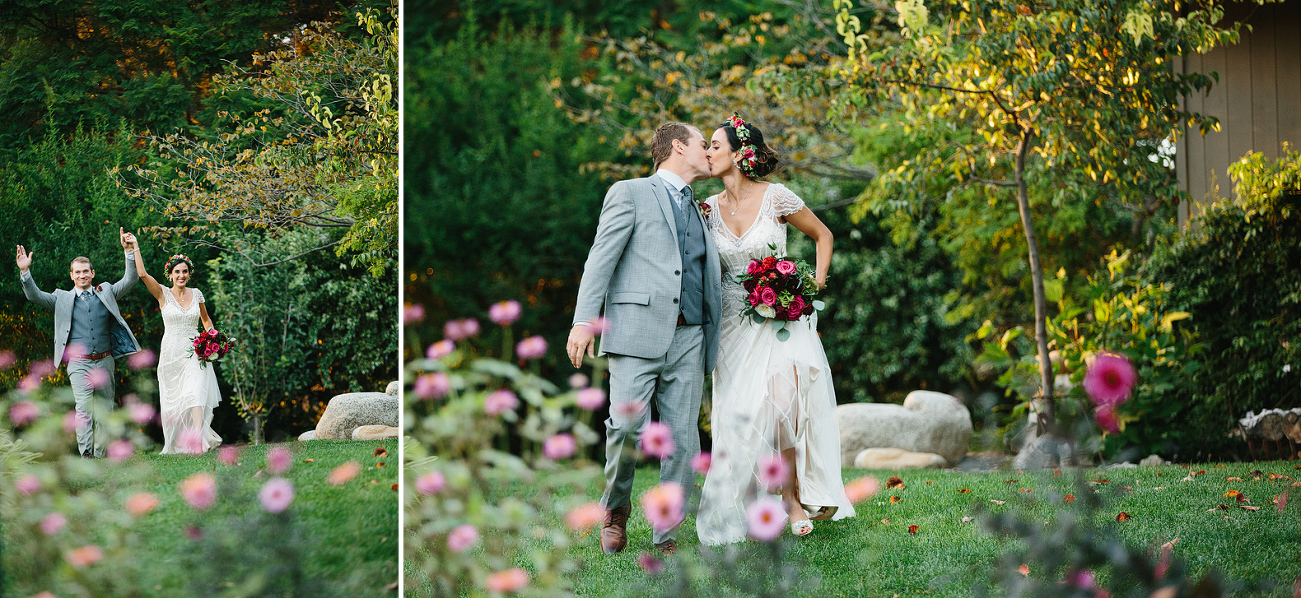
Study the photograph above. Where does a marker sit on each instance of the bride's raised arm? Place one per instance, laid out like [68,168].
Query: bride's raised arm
[155,289]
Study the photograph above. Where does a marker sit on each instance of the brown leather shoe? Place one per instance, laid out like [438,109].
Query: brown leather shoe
[614,534]
[667,547]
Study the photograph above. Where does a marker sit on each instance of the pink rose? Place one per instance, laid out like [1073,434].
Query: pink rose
[786,267]
[754,298]
[768,296]
[755,267]
[794,313]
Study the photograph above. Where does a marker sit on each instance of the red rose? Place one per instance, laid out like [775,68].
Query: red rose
[755,267]
[786,267]
[769,262]
[797,305]
[794,312]
[808,309]
[768,296]
[754,298]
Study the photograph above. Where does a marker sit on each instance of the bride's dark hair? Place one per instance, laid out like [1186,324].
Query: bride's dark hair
[179,259]
[765,158]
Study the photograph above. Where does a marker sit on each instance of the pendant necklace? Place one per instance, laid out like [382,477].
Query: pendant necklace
[737,204]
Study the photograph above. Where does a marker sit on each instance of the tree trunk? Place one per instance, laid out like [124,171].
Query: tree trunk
[1047,423]
[257,428]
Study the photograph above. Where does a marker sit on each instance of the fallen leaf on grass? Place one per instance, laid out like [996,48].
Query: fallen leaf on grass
[885,521]
[968,519]
[380,464]
[1248,508]
[395,487]
[1280,501]
[997,502]
[1024,570]
[1123,517]
[1057,473]
[1069,498]
[894,483]
[1166,592]
[381,452]
[1296,483]
[1197,473]
[1219,465]
[1237,496]
[912,529]
[1225,507]
[894,499]
[1274,476]
[1255,472]
[1233,479]
[1159,488]
[309,460]
[1100,481]
[1010,481]
[1026,490]
[929,482]
[964,490]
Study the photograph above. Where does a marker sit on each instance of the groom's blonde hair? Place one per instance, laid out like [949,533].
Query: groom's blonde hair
[662,140]
[81,259]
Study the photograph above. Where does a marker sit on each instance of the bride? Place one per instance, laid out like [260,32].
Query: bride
[770,397]
[187,389]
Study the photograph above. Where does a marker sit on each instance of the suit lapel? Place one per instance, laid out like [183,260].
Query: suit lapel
[661,190]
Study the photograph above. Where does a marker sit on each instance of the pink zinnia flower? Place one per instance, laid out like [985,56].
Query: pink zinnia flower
[590,398]
[649,564]
[1109,379]
[432,386]
[199,490]
[42,368]
[773,471]
[276,495]
[191,441]
[343,473]
[23,413]
[412,314]
[431,483]
[83,557]
[559,446]
[141,413]
[510,580]
[27,485]
[768,296]
[700,463]
[97,378]
[504,313]
[766,518]
[663,505]
[53,523]
[862,489]
[1082,578]
[460,329]
[461,538]
[29,383]
[499,402]
[228,455]
[73,419]
[785,267]
[140,503]
[657,440]
[72,351]
[532,347]
[440,349]
[629,410]
[142,359]
[585,516]
[577,381]
[1105,417]
[279,459]
[120,450]
[7,360]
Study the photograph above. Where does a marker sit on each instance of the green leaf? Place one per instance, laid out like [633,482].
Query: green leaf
[783,334]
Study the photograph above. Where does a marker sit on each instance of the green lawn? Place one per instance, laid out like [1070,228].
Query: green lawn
[346,536]
[865,556]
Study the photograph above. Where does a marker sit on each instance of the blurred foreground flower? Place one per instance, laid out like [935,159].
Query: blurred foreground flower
[142,359]
[510,580]
[28,485]
[649,564]
[773,471]
[700,463]
[657,440]
[862,489]
[584,516]
[440,349]
[559,446]
[461,538]
[279,459]
[431,483]
[228,455]
[499,402]
[663,505]
[590,399]
[141,413]
[343,473]
[199,490]
[276,495]
[83,557]
[1109,379]
[141,503]
[433,386]
[120,450]
[766,518]
[461,329]
[412,314]
[533,347]
[505,313]
[53,523]
[23,413]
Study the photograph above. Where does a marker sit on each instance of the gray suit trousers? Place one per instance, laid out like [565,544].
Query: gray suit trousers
[675,382]
[92,406]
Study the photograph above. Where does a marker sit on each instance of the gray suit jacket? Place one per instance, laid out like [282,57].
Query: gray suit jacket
[124,343]
[634,271]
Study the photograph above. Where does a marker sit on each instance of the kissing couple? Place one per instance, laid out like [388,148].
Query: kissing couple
[663,269]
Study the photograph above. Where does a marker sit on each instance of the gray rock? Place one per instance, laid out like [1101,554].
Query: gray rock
[1045,452]
[308,435]
[374,432]
[393,388]
[928,422]
[347,412]
[1125,465]
[893,458]
[1152,460]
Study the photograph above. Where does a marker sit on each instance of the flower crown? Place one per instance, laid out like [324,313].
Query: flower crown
[748,150]
[176,259]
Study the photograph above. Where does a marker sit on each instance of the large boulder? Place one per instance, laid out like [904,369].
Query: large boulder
[393,388]
[927,422]
[374,432]
[893,458]
[308,435]
[347,412]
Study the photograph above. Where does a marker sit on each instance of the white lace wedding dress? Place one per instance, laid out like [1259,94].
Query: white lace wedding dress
[183,382]
[769,395]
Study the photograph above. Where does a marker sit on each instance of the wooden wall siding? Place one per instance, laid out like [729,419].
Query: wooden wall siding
[1257,99]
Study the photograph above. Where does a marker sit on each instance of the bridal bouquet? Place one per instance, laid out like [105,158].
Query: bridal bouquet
[781,290]
[211,346]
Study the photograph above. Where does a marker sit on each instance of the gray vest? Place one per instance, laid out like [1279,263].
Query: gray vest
[92,325]
[691,240]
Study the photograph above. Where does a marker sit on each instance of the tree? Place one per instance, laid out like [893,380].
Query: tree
[1080,86]
[319,151]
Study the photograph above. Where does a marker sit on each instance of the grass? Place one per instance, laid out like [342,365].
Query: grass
[870,556]
[349,533]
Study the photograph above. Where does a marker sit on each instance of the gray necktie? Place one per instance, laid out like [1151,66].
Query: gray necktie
[685,199]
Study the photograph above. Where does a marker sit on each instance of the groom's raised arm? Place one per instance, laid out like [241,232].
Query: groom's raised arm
[129,277]
[613,230]
[34,294]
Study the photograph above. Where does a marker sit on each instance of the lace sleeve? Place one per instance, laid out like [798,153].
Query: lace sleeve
[198,295]
[784,201]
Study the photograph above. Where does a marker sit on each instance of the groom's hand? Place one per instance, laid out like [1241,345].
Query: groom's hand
[24,259]
[581,340]
[122,236]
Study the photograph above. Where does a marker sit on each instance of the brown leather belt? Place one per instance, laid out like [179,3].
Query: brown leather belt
[98,355]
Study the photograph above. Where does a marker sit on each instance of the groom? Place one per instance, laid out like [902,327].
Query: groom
[89,328]
[654,269]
